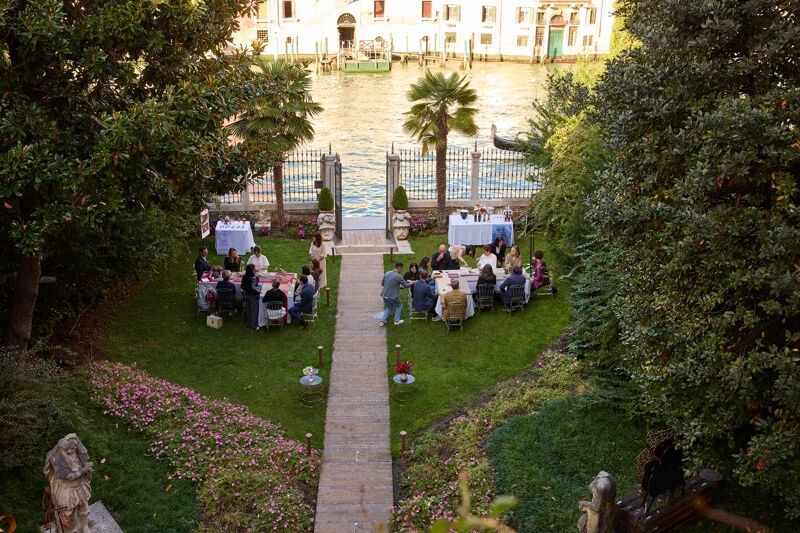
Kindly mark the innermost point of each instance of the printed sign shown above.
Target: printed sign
(205, 225)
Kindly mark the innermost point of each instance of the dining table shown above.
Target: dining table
(468, 283)
(233, 234)
(468, 231)
(207, 290)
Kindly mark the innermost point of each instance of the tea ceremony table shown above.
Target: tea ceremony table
(460, 231)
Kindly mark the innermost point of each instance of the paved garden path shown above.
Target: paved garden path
(355, 489)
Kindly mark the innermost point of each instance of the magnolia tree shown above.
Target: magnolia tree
(109, 108)
(700, 207)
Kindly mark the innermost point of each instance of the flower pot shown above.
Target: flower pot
(464, 214)
(326, 221)
(403, 377)
(401, 221)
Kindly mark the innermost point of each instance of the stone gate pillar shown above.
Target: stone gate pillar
(475, 172)
(328, 172)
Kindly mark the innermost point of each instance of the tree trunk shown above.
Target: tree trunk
(277, 179)
(23, 302)
(441, 185)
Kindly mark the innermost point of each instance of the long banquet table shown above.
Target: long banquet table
(468, 282)
(235, 234)
(461, 231)
(288, 280)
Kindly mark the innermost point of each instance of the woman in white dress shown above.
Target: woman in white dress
(319, 252)
(488, 258)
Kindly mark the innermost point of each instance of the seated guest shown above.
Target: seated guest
(421, 297)
(540, 275)
(412, 274)
(487, 277)
(499, 249)
(306, 303)
(424, 264)
(306, 271)
(514, 280)
(513, 258)
(233, 262)
(452, 297)
(251, 295)
(258, 260)
(316, 272)
(442, 260)
(201, 264)
(488, 258)
(226, 282)
(275, 294)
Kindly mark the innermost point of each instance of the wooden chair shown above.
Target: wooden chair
(275, 314)
(486, 297)
(226, 301)
(516, 298)
(314, 314)
(456, 312)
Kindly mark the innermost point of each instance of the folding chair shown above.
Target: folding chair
(516, 298)
(226, 301)
(275, 314)
(314, 314)
(486, 297)
(455, 316)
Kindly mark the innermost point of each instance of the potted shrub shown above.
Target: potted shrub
(326, 219)
(401, 219)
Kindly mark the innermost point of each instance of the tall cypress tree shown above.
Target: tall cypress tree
(701, 203)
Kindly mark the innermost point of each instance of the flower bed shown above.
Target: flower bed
(429, 479)
(251, 477)
(422, 224)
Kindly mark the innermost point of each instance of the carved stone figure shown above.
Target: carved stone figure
(69, 471)
(326, 221)
(401, 220)
(600, 512)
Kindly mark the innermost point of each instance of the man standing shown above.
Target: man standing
(201, 264)
(306, 303)
(442, 260)
(392, 283)
(451, 297)
(258, 260)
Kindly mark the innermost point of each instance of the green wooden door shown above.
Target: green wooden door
(555, 43)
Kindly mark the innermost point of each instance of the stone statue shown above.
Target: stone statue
(69, 471)
(600, 512)
(401, 220)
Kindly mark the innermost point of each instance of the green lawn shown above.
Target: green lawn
(453, 368)
(128, 480)
(548, 458)
(159, 329)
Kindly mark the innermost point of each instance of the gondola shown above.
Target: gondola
(503, 142)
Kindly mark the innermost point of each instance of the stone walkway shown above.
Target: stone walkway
(355, 489)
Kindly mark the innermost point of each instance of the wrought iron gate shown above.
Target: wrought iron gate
(388, 199)
(338, 195)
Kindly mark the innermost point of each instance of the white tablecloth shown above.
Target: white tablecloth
(288, 281)
(236, 234)
(461, 231)
(468, 282)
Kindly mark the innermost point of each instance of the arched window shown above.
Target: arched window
(558, 20)
(346, 20)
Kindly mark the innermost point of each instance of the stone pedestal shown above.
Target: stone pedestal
(100, 521)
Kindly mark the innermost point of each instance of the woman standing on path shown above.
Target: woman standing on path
(319, 252)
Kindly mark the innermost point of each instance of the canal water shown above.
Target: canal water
(363, 116)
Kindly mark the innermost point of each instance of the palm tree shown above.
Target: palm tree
(279, 121)
(443, 104)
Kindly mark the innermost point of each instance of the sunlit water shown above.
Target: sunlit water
(363, 116)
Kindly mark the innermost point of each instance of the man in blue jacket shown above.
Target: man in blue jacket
(516, 279)
(201, 264)
(421, 297)
(306, 302)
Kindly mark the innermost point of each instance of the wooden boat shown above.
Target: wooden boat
(504, 142)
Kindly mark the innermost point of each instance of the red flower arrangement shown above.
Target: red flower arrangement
(403, 367)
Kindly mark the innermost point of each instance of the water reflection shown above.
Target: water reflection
(364, 114)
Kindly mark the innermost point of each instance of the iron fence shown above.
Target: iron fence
(300, 170)
(501, 174)
(505, 174)
(418, 174)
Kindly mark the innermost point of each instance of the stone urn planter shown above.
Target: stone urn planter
(401, 221)
(326, 221)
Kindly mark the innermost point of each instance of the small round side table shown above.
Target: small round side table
(402, 391)
(311, 390)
